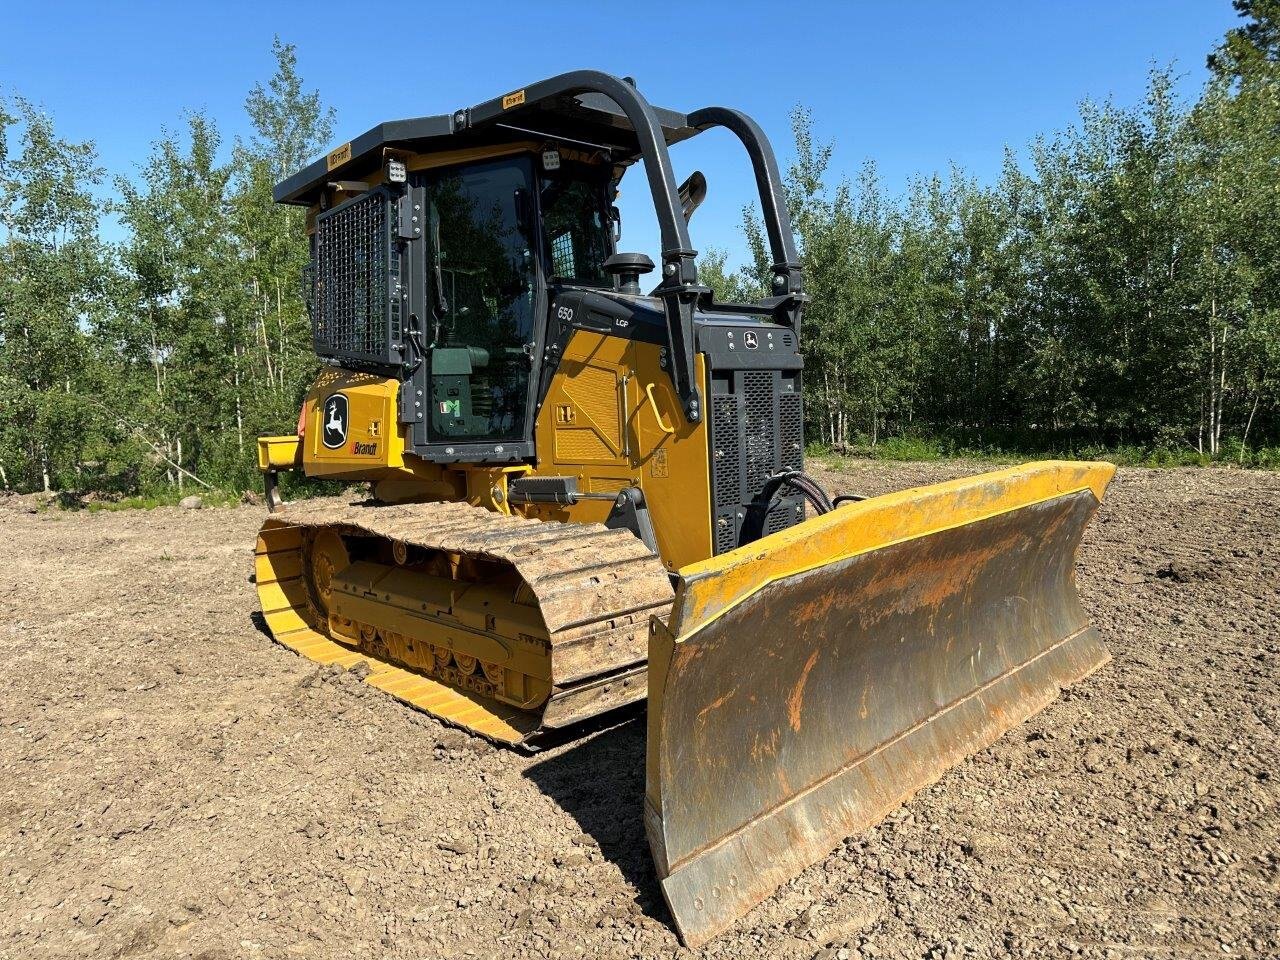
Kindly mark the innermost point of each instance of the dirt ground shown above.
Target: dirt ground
(174, 784)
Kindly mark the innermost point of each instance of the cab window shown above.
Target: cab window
(484, 279)
(575, 217)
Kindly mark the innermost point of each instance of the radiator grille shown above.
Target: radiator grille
(726, 532)
(791, 429)
(756, 430)
(354, 282)
(780, 518)
(725, 451)
(760, 435)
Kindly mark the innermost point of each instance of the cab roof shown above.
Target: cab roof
(586, 119)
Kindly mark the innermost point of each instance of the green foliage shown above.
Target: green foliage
(291, 127)
(1120, 292)
(736, 287)
(1020, 448)
(1115, 293)
(152, 366)
(53, 278)
(1251, 50)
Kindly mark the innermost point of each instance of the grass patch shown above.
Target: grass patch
(292, 487)
(926, 448)
(158, 498)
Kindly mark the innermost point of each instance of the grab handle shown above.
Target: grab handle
(625, 422)
(653, 405)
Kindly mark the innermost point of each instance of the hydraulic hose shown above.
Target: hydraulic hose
(802, 483)
(806, 485)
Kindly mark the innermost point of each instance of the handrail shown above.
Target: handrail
(657, 415)
(788, 284)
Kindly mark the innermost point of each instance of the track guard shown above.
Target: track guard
(812, 681)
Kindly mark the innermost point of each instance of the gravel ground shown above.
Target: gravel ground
(174, 784)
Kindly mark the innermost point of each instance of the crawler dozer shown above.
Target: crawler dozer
(584, 494)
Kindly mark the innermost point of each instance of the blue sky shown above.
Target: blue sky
(914, 87)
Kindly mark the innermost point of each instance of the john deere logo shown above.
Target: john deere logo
(751, 341)
(334, 434)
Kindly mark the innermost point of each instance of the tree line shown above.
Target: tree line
(1119, 287)
(155, 361)
(1117, 284)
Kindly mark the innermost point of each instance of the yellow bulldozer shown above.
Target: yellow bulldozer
(584, 494)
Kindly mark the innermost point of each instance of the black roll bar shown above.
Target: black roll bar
(679, 289)
(788, 284)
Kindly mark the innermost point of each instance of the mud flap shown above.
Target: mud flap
(811, 682)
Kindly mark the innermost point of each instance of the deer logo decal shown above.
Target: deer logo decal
(334, 421)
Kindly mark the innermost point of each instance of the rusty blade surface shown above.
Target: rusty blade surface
(792, 710)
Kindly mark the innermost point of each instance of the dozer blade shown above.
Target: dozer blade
(810, 682)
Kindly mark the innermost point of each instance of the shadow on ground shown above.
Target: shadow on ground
(600, 783)
(260, 623)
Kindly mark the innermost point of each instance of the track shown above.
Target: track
(591, 591)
